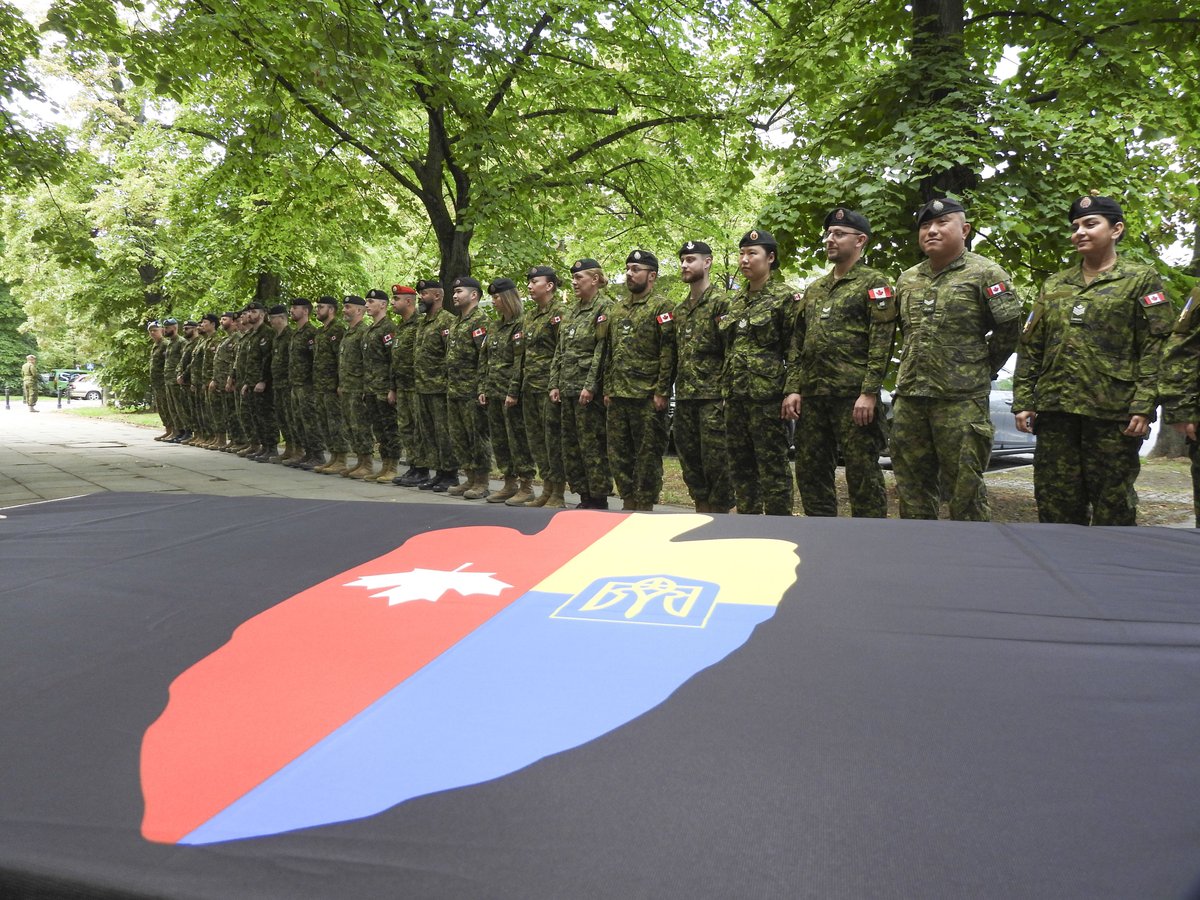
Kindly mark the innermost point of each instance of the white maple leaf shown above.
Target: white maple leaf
(430, 584)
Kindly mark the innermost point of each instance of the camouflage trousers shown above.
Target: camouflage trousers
(406, 426)
(510, 443)
(331, 422)
(469, 433)
(29, 393)
(200, 421)
(281, 400)
(161, 405)
(219, 406)
(699, 431)
(757, 439)
(260, 408)
(543, 427)
(245, 421)
(306, 419)
(941, 448)
(434, 422)
(179, 413)
(382, 418)
(358, 425)
(637, 437)
(826, 426)
(1084, 470)
(585, 447)
(1194, 453)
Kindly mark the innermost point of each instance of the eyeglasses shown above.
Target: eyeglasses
(838, 235)
(633, 270)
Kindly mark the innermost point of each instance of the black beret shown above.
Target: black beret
(170, 320)
(642, 258)
(326, 300)
(466, 281)
(277, 310)
(153, 323)
(1096, 206)
(543, 272)
(500, 285)
(189, 324)
(584, 264)
(427, 283)
(698, 247)
(764, 239)
(354, 300)
(376, 294)
(302, 301)
(212, 317)
(229, 315)
(848, 218)
(939, 207)
(253, 304)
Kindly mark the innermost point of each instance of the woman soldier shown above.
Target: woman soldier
(543, 419)
(1087, 370)
(500, 390)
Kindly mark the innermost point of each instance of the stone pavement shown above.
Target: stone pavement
(51, 454)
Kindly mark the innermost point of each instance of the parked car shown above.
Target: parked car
(59, 379)
(86, 387)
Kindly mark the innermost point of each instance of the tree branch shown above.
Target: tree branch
(518, 61)
(196, 132)
(633, 129)
(564, 110)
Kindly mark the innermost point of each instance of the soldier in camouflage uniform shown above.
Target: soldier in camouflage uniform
(468, 419)
(281, 390)
(1179, 385)
(220, 394)
(542, 418)
(1087, 374)
(500, 393)
(242, 442)
(575, 384)
(377, 384)
(942, 430)
(699, 422)
(350, 387)
(429, 366)
(638, 373)
(757, 336)
(256, 387)
(403, 393)
(158, 385)
(171, 359)
(183, 378)
(202, 368)
(841, 345)
(305, 417)
(331, 423)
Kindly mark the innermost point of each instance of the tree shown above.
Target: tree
(26, 153)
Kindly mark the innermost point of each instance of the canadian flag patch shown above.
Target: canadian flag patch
(665, 318)
(1154, 299)
(998, 288)
(478, 332)
(445, 332)
(601, 318)
(387, 340)
(880, 293)
(517, 335)
(555, 320)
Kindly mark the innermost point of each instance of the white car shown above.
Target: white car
(86, 387)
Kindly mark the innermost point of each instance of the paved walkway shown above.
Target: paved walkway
(51, 454)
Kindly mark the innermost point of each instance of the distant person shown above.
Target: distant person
(1179, 385)
(29, 382)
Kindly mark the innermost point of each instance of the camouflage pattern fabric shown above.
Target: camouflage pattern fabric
(941, 448)
(404, 384)
(543, 428)
(280, 387)
(542, 418)
(699, 431)
(330, 423)
(350, 386)
(636, 437)
(304, 412)
(381, 418)
(585, 447)
(1084, 470)
(429, 353)
(826, 426)
(158, 384)
(579, 355)
(469, 438)
(377, 346)
(1179, 381)
(757, 442)
(434, 422)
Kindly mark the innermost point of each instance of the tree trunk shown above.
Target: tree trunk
(1169, 444)
(455, 248)
(1193, 268)
(266, 289)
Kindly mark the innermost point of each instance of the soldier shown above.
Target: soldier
(331, 423)
(242, 440)
(158, 386)
(202, 368)
(542, 418)
(220, 393)
(281, 390)
(404, 391)
(1179, 385)
(183, 380)
(500, 393)
(960, 318)
(575, 384)
(699, 421)
(757, 336)
(377, 384)
(468, 419)
(841, 346)
(638, 373)
(256, 385)
(173, 356)
(350, 387)
(305, 418)
(29, 382)
(429, 366)
(1087, 373)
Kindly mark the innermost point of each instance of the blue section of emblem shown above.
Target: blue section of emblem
(643, 599)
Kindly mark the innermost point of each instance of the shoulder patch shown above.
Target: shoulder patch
(994, 290)
(445, 332)
(387, 340)
(601, 318)
(555, 320)
(517, 335)
(665, 318)
(1158, 297)
(880, 293)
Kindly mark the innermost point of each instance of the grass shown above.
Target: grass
(143, 419)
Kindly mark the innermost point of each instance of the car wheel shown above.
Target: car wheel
(92, 395)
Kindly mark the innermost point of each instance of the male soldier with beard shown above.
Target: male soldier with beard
(468, 419)
(403, 393)
(183, 378)
(331, 422)
(305, 425)
(202, 369)
(241, 425)
(699, 424)
(158, 384)
(281, 390)
(220, 398)
(172, 352)
(638, 374)
(430, 377)
(543, 419)
(350, 385)
(255, 375)
(377, 383)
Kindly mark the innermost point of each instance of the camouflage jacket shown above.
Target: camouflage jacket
(464, 356)
(254, 359)
(350, 358)
(185, 360)
(538, 345)
(377, 356)
(403, 353)
(757, 333)
(325, 356)
(223, 358)
(641, 347)
(209, 362)
(281, 346)
(579, 357)
(158, 357)
(301, 354)
(429, 355)
(501, 370)
(172, 354)
(843, 335)
(700, 348)
(946, 318)
(1179, 375)
(1093, 349)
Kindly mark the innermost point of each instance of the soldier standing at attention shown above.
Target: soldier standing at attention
(377, 383)
(403, 393)
(29, 382)
(1087, 373)
(222, 368)
(183, 378)
(468, 419)
(325, 386)
(960, 318)
(202, 369)
(500, 393)
(306, 427)
(350, 384)
(638, 374)
(841, 346)
(699, 424)
(158, 386)
(171, 361)
(1179, 385)
(429, 367)
(256, 387)
(575, 384)
(281, 390)
(243, 443)
(542, 418)
(757, 334)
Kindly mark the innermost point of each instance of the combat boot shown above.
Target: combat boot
(265, 455)
(291, 456)
(523, 495)
(311, 462)
(364, 469)
(446, 482)
(508, 491)
(249, 450)
(407, 479)
(457, 490)
(431, 481)
(276, 458)
(337, 465)
(320, 470)
(481, 486)
(166, 435)
(387, 473)
(555, 500)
